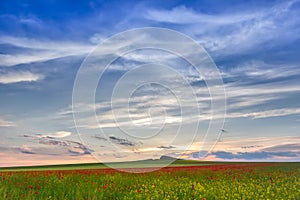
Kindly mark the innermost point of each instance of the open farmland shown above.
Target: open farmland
(214, 181)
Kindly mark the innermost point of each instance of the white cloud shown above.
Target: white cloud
(237, 31)
(241, 103)
(54, 144)
(267, 113)
(5, 123)
(260, 70)
(16, 77)
(39, 50)
(183, 15)
(97, 38)
(59, 134)
(8, 60)
(64, 46)
(32, 21)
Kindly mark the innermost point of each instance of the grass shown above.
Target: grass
(208, 180)
(133, 164)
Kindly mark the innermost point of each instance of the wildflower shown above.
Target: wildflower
(193, 187)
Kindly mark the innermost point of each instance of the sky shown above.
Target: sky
(45, 45)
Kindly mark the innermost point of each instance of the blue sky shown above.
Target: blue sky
(255, 46)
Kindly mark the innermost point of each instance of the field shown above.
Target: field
(179, 181)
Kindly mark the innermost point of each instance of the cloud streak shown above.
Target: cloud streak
(267, 113)
(116, 140)
(184, 15)
(17, 77)
(235, 31)
(65, 147)
(58, 134)
(5, 123)
(26, 50)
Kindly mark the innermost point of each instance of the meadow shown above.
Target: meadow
(213, 181)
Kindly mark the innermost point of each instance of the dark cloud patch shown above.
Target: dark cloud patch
(25, 151)
(71, 147)
(75, 148)
(166, 147)
(116, 140)
(100, 137)
(251, 146)
(29, 136)
(121, 141)
(53, 142)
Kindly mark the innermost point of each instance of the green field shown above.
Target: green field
(182, 180)
(133, 164)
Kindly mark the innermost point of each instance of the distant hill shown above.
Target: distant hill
(168, 158)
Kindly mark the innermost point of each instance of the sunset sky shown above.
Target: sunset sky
(255, 46)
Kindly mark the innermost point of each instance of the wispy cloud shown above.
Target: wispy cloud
(22, 76)
(292, 146)
(117, 140)
(267, 113)
(66, 147)
(251, 146)
(33, 50)
(257, 70)
(234, 31)
(5, 123)
(29, 20)
(184, 15)
(58, 134)
(74, 148)
(121, 141)
(243, 42)
(242, 102)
